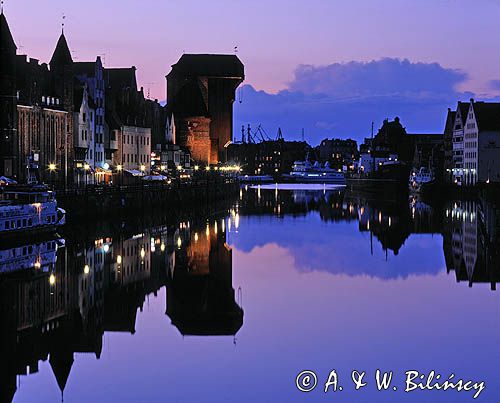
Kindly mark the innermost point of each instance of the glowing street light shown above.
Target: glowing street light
(119, 168)
(143, 168)
(52, 279)
(52, 167)
(86, 167)
(86, 269)
(207, 168)
(196, 167)
(179, 167)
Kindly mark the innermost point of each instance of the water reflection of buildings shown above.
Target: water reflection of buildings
(200, 295)
(471, 241)
(470, 229)
(56, 301)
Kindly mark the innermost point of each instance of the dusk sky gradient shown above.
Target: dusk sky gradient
(273, 37)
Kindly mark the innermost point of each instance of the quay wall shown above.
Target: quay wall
(118, 201)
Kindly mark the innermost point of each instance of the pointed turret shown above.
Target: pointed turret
(7, 43)
(62, 54)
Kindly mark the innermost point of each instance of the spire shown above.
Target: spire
(62, 55)
(6, 41)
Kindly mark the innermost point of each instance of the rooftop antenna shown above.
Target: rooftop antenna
(242, 133)
(149, 89)
(236, 49)
(63, 22)
(1, 7)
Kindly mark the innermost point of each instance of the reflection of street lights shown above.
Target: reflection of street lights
(119, 169)
(86, 167)
(52, 169)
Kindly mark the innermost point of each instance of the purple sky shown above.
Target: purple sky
(274, 38)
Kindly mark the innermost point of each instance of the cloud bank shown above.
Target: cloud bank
(342, 99)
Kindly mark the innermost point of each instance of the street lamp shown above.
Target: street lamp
(196, 167)
(143, 168)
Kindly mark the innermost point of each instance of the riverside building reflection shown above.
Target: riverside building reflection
(58, 298)
(470, 229)
(471, 241)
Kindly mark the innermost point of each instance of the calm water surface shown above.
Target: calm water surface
(231, 306)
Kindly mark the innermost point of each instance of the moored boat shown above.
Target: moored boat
(420, 180)
(29, 209)
(306, 172)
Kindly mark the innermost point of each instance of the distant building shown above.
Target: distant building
(339, 153)
(200, 95)
(267, 157)
(482, 143)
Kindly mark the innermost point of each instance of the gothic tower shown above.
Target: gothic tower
(62, 71)
(8, 101)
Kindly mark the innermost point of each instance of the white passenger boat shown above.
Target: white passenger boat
(420, 179)
(28, 209)
(305, 172)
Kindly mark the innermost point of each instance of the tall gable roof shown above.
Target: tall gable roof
(463, 110)
(487, 115)
(6, 40)
(210, 65)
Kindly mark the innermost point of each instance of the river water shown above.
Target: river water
(230, 305)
